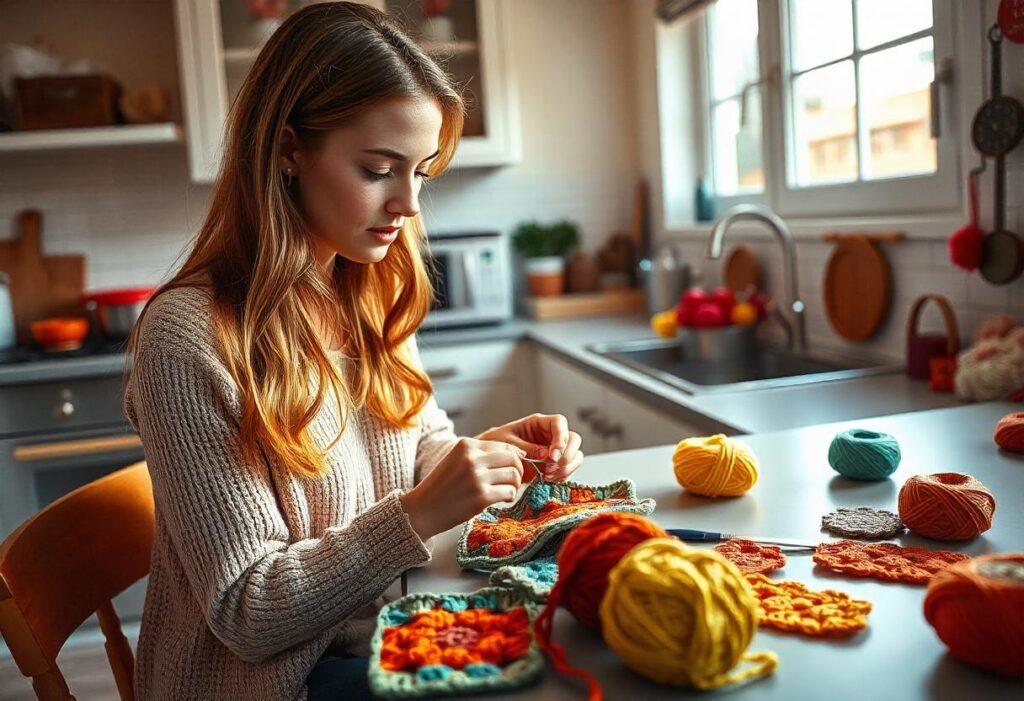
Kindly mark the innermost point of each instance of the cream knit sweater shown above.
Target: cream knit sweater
(255, 570)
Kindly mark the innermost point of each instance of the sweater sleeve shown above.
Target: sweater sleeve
(261, 591)
(437, 432)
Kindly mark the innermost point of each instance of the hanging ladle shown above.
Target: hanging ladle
(998, 127)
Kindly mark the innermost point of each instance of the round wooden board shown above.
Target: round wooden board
(857, 288)
(742, 270)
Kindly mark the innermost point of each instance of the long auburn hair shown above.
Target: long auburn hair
(323, 66)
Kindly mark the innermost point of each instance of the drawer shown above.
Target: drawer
(49, 406)
(477, 407)
(471, 362)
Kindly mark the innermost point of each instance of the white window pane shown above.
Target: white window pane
(879, 21)
(732, 44)
(737, 147)
(820, 31)
(825, 125)
(896, 109)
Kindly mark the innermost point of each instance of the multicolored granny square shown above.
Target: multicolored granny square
(534, 525)
(445, 644)
(535, 578)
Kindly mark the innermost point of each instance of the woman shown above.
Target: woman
(299, 461)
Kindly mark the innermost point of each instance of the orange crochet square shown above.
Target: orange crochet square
(885, 561)
(750, 557)
(791, 606)
(507, 535)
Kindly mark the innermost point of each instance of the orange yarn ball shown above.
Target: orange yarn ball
(586, 557)
(977, 609)
(1009, 433)
(946, 506)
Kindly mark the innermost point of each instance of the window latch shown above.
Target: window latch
(943, 76)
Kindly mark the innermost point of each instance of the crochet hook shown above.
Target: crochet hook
(536, 466)
(689, 534)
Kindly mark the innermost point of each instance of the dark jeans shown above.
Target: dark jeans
(339, 678)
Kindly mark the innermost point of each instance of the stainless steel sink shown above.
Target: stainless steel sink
(762, 367)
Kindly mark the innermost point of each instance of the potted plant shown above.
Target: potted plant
(543, 246)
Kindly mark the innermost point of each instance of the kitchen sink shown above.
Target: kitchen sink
(760, 366)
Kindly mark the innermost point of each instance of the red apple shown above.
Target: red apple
(688, 303)
(760, 302)
(724, 298)
(682, 314)
(709, 315)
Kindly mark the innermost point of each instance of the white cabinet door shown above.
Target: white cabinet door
(562, 389)
(218, 42)
(636, 425)
(478, 406)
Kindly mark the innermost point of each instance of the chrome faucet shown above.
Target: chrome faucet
(792, 316)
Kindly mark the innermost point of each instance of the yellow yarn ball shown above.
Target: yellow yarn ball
(714, 466)
(682, 616)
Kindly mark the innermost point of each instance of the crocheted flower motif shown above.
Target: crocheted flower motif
(862, 522)
(535, 578)
(885, 561)
(791, 606)
(430, 644)
(750, 557)
(516, 534)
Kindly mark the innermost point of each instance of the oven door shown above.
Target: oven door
(37, 470)
(451, 273)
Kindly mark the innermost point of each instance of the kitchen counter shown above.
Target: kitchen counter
(731, 413)
(898, 656)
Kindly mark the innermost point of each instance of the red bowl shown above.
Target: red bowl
(60, 333)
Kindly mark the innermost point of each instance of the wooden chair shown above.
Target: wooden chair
(67, 562)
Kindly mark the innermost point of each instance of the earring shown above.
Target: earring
(288, 178)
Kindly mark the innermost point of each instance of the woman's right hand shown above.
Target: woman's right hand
(472, 476)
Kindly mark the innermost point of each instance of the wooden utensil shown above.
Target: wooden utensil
(742, 271)
(922, 348)
(857, 286)
(41, 286)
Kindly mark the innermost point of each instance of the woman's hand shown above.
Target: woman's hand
(543, 437)
(473, 475)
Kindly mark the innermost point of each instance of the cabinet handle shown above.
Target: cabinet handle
(85, 446)
(442, 373)
(454, 413)
(587, 413)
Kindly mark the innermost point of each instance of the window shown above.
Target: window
(841, 120)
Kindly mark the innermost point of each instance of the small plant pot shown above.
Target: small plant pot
(545, 277)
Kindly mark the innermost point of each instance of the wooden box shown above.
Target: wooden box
(65, 102)
(569, 306)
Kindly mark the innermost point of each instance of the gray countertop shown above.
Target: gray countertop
(731, 413)
(898, 656)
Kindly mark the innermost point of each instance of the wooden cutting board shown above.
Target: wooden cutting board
(857, 287)
(741, 271)
(41, 286)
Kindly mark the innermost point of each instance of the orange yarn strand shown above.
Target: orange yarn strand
(586, 557)
(1009, 433)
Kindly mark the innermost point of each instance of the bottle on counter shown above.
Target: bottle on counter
(703, 202)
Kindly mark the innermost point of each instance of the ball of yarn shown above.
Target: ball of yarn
(682, 616)
(585, 559)
(864, 455)
(975, 607)
(714, 466)
(1009, 433)
(946, 506)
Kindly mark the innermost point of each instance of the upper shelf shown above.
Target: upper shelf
(89, 137)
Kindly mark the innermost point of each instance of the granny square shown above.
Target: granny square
(885, 561)
(535, 578)
(750, 557)
(447, 644)
(535, 524)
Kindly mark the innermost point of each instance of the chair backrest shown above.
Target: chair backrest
(69, 561)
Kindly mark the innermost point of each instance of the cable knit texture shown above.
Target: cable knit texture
(256, 570)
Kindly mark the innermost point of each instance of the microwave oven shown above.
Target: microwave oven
(472, 278)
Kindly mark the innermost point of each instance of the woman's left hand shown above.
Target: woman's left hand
(543, 437)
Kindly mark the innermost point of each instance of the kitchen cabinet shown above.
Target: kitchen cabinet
(605, 418)
(480, 385)
(218, 41)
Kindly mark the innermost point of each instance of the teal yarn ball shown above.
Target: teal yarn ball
(861, 454)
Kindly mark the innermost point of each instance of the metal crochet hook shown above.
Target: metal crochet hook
(536, 463)
(689, 534)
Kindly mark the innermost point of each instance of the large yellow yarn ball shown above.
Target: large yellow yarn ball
(714, 466)
(682, 616)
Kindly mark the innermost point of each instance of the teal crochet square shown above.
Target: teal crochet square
(534, 578)
(448, 644)
(535, 525)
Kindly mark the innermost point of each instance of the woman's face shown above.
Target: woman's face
(363, 181)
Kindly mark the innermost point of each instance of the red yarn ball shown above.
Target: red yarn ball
(965, 247)
(1009, 433)
(946, 506)
(975, 607)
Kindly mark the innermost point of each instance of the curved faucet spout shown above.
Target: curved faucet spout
(793, 317)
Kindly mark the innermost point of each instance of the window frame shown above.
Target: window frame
(907, 195)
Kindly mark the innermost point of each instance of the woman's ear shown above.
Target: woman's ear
(290, 157)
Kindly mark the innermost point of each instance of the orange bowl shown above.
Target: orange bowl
(60, 333)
